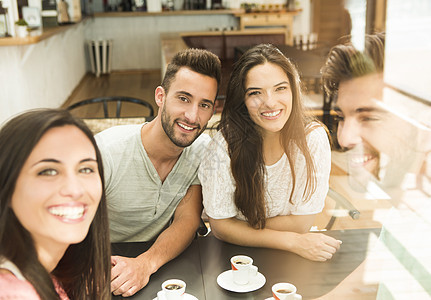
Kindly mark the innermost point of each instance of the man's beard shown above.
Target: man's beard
(168, 127)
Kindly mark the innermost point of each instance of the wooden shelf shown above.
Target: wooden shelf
(37, 37)
(168, 13)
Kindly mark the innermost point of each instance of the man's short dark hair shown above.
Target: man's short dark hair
(346, 62)
(198, 60)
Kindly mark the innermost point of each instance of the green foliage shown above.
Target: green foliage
(21, 22)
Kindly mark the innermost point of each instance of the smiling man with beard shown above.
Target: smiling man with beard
(377, 141)
(365, 127)
(151, 170)
(387, 148)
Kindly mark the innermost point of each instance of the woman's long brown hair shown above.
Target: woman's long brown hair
(245, 142)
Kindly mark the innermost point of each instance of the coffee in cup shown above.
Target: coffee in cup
(285, 291)
(173, 289)
(173, 286)
(243, 269)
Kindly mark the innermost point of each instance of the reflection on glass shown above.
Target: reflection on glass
(380, 88)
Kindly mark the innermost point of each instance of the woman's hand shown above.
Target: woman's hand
(315, 246)
(312, 246)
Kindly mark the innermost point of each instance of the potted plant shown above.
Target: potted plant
(21, 28)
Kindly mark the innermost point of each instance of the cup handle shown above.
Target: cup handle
(253, 270)
(298, 297)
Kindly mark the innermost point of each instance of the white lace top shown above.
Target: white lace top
(218, 185)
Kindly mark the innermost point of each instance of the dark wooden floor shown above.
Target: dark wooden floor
(136, 84)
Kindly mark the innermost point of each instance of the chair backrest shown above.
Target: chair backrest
(119, 100)
(100, 124)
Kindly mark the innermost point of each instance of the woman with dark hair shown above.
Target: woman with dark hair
(267, 170)
(54, 238)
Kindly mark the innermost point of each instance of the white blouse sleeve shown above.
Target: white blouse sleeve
(320, 151)
(218, 185)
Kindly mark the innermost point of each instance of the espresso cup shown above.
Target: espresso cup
(242, 269)
(174, 289)
(285, 291)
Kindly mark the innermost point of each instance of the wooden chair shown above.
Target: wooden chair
(119, 101)
(97, 124)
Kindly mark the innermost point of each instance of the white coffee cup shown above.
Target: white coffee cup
(242, 269)
(174, 289)
(285, 291)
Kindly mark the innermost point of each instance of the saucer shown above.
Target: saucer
(225, 280)
(161, 296)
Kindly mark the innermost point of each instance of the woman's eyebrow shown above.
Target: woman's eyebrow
(252, 88)
(88, 160)
(51, 160)
(56, 161)
(256, 88)
(283, 82)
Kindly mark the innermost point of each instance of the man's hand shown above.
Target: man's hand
(129, 275)
(316, 246)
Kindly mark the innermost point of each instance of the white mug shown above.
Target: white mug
(285, 291)
(173, 289)
(242, 269)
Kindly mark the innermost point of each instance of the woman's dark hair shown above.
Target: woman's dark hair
(84, 270)
(245, 141)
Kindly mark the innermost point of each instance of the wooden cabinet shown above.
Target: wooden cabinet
(331, 20)
(269, 19)
(223, 43)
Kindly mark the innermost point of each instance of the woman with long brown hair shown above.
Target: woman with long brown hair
(266, 173)
(54, 237)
